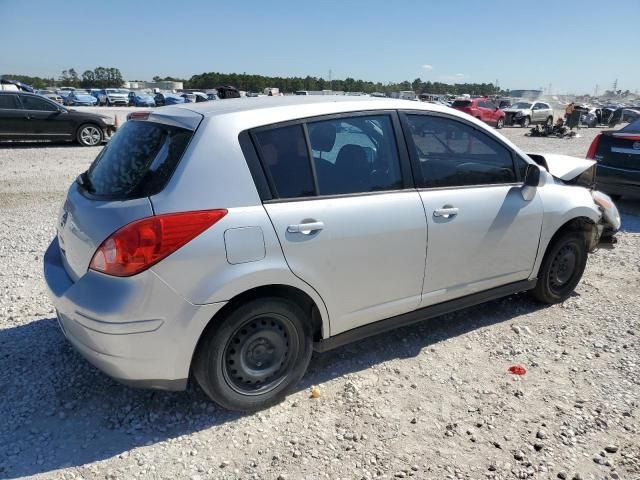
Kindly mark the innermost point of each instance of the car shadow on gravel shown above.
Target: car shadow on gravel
(58, 411)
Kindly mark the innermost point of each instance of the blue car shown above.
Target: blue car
(141, 99)
(168, 99)
(77, 98)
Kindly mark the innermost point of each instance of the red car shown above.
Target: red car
(482, 109)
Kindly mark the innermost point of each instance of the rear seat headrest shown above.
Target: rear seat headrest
(322, 136)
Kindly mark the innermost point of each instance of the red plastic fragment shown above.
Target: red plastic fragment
(517, 370)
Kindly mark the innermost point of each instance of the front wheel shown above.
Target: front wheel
(500, 123)
(89, 135)
(524, 123)
(254, 355)
(561, 269)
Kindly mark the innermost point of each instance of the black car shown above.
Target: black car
(618, 155)
(27, 116)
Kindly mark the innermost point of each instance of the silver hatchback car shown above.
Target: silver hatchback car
(226, 240)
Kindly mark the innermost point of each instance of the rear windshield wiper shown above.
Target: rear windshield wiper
(84, 181)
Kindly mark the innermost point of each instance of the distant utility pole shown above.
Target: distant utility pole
(615, 85)
(595, 93)
(549, 92)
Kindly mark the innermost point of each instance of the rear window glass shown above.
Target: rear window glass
(9, 102)
(633, 126)
(138, 161)
(461, 103)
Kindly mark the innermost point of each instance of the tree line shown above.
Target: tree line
(257, 83)
(102, 77)
(99, 77)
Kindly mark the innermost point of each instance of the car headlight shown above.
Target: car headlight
(609, 209)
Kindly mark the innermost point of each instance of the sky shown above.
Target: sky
(570, 45)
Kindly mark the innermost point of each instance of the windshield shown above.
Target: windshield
(522, 105)
(138, 161)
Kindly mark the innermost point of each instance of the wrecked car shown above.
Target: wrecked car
(527, 113)
(322, 221)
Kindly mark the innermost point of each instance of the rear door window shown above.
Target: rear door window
(9, 102)
(138, 161)
(38, 104)
(285, 156)
(355, 155)
(451, 153)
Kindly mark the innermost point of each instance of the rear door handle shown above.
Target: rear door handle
(305, 228)
(445, 212)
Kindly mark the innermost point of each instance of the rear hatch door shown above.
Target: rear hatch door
(137, 163)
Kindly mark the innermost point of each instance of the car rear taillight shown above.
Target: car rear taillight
(591, 154)
(139, 115)
(143, 243)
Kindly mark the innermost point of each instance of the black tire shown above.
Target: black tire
(561, 269)
(228, 363)
(500, 123)
(524, 123)
(90, 135)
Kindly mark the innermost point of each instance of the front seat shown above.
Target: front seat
(353, 170)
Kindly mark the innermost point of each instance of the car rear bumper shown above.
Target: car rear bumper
(136, 329)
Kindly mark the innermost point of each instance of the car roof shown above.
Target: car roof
(310, 105)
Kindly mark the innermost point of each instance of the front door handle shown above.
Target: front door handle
(445, 212)
(305, 228)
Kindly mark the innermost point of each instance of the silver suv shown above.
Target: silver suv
(226, 240)
(525, 113)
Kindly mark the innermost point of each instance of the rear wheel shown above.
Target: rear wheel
(255, 355)
(561, 269)
(89, 135)
(500, 123)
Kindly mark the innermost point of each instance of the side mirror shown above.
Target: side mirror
(532, 176)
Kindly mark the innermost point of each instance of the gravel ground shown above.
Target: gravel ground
(433, 401)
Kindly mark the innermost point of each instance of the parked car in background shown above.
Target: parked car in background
(162, 99)
(320, 222)
(617, 153)
(13, 85)
(141, 99)
(527, 113)
(80, 98)
(116, 96)
(64, 94)
(201, 97)
(482, 109)
(27, 116)
(188, 97)
(51, 95)
(213, 96)
(503, 103)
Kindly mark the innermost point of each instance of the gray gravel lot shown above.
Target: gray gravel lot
(433, 401)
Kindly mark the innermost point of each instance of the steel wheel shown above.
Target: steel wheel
(258, 354)
(563, 268)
